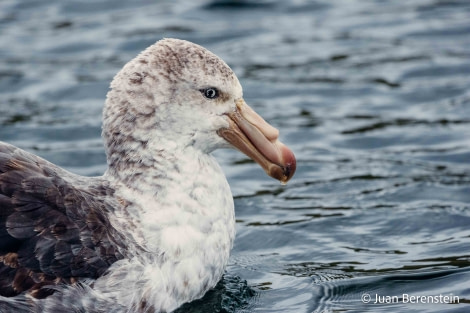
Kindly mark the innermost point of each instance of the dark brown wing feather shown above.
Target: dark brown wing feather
(51, 231)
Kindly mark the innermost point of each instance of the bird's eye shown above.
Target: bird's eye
(210, 93)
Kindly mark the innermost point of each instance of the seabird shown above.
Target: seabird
(156, 230)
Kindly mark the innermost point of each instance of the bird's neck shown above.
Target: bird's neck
(141, 171)
(143, 163)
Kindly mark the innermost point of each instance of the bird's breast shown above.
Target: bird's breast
(185, 230)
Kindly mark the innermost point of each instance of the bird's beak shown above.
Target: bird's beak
(252, 135)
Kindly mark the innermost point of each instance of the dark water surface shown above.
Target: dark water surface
(373, 97)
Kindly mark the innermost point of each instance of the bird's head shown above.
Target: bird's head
(177, 94)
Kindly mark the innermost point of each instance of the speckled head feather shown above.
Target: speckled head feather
(153, 98)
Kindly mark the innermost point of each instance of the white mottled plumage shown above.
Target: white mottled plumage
(190, 220)
(155, 231)
(182, 207)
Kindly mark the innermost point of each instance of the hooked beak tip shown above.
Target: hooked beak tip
(287, 166)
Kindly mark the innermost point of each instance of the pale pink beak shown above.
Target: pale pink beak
(252, 135)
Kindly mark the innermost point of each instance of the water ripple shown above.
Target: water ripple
(372, 96)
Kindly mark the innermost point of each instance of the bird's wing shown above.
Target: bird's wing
(52, 231)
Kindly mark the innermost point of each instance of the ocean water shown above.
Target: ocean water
(372, 96)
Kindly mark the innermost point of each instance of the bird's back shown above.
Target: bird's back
(54, 227)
